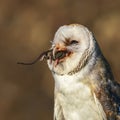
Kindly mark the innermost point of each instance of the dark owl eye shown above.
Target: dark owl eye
(72, 42)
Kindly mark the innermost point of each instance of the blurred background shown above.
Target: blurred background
(26, 29)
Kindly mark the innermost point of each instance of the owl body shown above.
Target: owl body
(75, 101)
(75, 96)
(84, 85)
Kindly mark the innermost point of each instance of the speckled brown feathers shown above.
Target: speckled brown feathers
(109, 90)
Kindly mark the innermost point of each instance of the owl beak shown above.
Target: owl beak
(54, 51)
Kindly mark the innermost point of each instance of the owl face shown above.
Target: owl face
(68, 48)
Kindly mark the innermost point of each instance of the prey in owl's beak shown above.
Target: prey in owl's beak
(52, 55)
(45, 55)
(59, 56)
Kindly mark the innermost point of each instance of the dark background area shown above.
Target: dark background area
(26, 29)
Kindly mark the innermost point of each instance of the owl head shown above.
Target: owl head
(72, 46)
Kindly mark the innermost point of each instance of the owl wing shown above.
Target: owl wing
(114, 93)
(109, 94)
(113, 88)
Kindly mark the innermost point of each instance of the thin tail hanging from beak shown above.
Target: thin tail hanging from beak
(42, 56)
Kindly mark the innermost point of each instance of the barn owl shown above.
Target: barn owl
(84, 85)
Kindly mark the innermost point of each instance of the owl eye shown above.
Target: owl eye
(72, 42)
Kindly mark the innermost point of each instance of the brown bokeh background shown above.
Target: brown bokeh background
(26, 29)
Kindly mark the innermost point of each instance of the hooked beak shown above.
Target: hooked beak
(54, 52)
